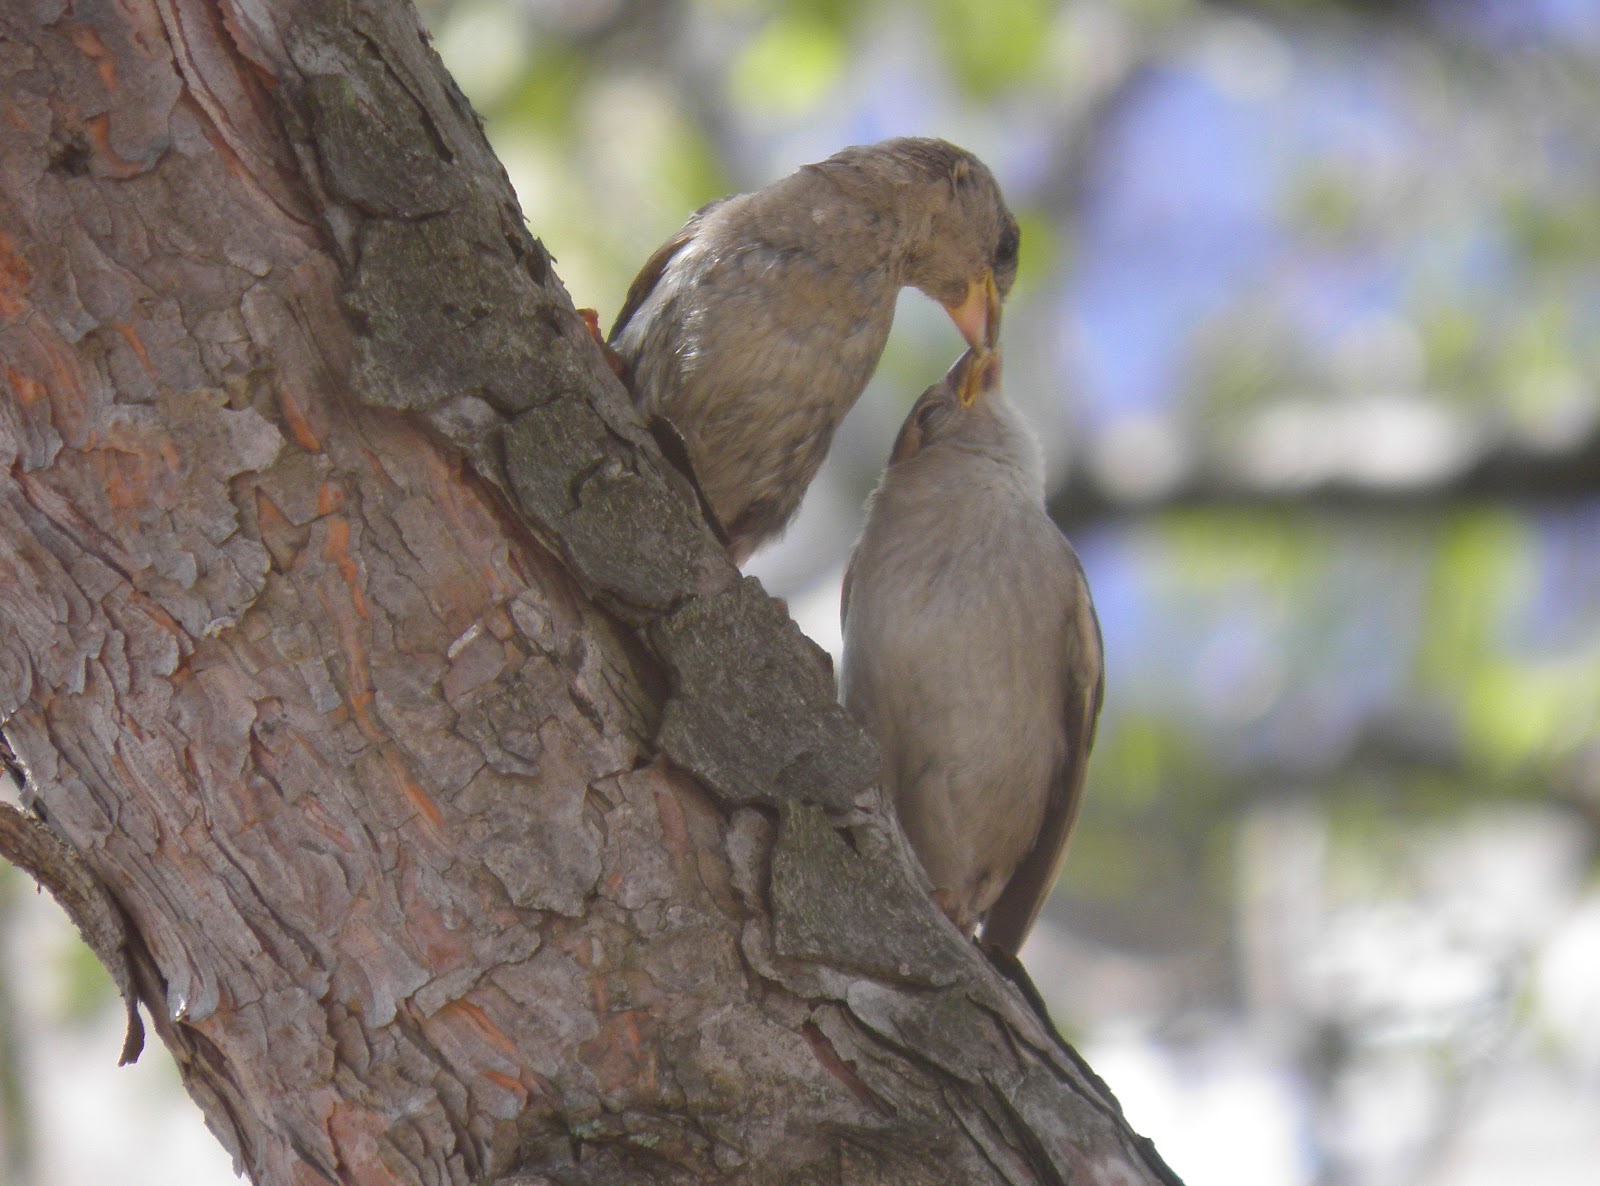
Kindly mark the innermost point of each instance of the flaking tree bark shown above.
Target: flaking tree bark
(393, 727)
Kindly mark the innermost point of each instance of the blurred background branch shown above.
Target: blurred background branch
(1509, 475)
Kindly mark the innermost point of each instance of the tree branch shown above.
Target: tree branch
(36, 850)
(476, 817)
(1509, 475)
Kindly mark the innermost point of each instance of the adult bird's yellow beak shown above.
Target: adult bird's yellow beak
(982, 374)
(978, 314)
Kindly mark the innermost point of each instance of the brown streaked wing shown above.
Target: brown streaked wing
(1013, 914)
(650, 275)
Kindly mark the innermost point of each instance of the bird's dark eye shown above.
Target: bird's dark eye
(917, 431)
(929, 416)
(1005, 251)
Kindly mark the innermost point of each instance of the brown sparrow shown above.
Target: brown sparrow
(754, 329)
(972, 654)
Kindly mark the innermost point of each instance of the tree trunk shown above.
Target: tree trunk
(402, 735)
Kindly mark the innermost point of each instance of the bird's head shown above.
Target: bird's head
(952, 407)
(963, 246)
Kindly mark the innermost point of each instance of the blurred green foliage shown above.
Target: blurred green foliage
(791, 63)
(992, 46)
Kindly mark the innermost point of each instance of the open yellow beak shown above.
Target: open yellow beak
(978, 314)
(982, 374)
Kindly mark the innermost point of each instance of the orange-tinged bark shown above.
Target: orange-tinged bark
(453, 787)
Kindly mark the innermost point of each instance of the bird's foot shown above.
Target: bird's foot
(957, 911)
(619, 368)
